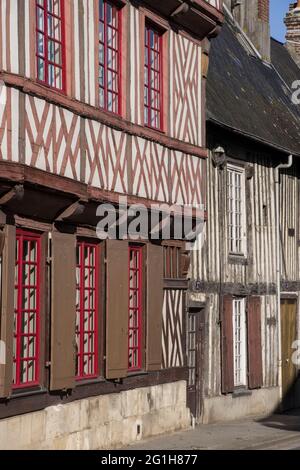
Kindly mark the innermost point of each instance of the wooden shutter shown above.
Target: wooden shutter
(254, 343)
(7, 309)
(117, 297)
(227, 346)
(185, 263)
(155, 294)
(2, 241)
(63, 315)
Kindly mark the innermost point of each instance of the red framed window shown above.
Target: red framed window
(50, 43)
(135, 308)
(153, 78)
(109, 56)
(87, 330)
(27, 310)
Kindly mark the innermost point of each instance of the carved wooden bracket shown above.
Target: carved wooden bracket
(17, 192)
(77, 208)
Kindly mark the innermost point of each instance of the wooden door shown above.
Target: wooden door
(288, 336)
(195, 329)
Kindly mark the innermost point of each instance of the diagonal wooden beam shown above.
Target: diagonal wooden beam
(77, 208)
(17, 192)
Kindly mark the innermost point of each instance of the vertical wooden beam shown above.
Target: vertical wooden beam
(7, 309)
(21, 46)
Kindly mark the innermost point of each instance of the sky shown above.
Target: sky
(279, 9)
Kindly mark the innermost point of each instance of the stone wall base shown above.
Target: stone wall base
(229, 407)
(104, 422)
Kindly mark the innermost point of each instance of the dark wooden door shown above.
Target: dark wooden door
(288, 336)
(195, 329)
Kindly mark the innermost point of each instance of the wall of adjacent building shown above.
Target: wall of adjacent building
(218, 274)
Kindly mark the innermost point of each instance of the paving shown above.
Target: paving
(279, 431)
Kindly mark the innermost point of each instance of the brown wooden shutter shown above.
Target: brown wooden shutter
(155, 267)
(63, 314)
(227, 346)
(254, 343)
(2, 241)
(7, 309)
(117, 298)
(185, 263)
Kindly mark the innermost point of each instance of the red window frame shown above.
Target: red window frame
(109, 64)
(47, 38)
(27, 309)
(87, 310)
(153, 78)
(135, 316)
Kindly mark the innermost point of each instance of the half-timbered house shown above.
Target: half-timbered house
(99, 99)
(247, 271)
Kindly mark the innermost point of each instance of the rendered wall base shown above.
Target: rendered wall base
(229, 408)
(104, 422)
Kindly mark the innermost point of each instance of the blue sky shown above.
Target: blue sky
(279, 9)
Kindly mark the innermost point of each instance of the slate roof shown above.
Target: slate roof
(251, 97)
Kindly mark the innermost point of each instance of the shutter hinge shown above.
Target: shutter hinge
(48, 364)
(49, 260)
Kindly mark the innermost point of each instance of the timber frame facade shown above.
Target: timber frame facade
(246, 273)
(82, 318)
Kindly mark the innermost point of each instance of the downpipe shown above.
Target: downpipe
(280, 167)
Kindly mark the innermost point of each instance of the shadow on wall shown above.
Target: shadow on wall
(287, 415)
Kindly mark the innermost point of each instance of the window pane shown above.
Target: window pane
(109, 61)
(50, 42)
(87, 310)
(27, 310)
(152, 77)
(135, 308)
(235, 207)
(239, 340)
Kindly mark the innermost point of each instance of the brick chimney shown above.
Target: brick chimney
(254, 18)
(292, 22)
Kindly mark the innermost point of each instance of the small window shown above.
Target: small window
(135, 308)
(26, 344)
(87, 305)
(236, 210)
(153, 78)
(50, 43)
(239, 343)
(109, 56)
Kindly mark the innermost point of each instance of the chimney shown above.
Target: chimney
(254, 17)
(292, 22)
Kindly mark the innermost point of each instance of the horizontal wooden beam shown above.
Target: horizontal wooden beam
(89, 112)
(26, 175)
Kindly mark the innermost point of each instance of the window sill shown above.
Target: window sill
(136, 373)
(241, 392)
(22, 393)
(82, 382)
(49, 87)
(155, 129)
(237, 259)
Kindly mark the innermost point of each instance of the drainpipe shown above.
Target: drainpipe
(282, 166)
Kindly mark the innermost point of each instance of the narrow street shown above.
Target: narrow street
(278, 432)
